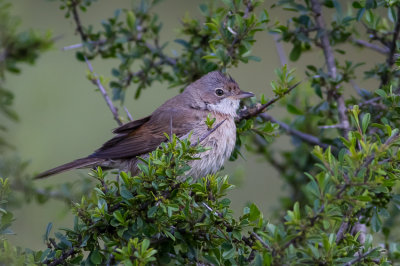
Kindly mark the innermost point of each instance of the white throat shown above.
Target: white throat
(225, 106)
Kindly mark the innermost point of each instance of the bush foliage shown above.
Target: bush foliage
(342, 168)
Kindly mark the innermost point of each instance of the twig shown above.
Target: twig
(249, 8)
(330, 62)
(362, 229)
(280, 50)
(391, 59)
(370, 101)
(371, 157)
(128, 114)
(360, 257)
(77, 20)
(248, 113)
(355, 86)
(211, 210)
(331, 126)
(302, 232)
(96, 81)
(72, 46)
(377, 48)
(80, 45)
(61, 259)
(261, 241)
(342, 229)
(231, 31)
(294, 132)
(209, 132)
(392, 49)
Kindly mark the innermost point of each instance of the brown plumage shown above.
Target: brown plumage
(214, 93)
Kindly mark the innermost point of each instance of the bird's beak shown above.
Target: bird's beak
(244, 94)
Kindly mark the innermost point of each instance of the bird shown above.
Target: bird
(184, 115)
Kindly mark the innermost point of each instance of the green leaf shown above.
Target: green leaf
(392, 14)
(254, 212)
(295, 53)
(381, 93)
(376, 222)
(117, 215)
(130, 20)
(145, 245)
(95, 257)
(125, 193)
(365, 122)
(293, 109)
(152, 211)
(48, 229)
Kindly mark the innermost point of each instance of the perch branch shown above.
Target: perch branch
(209, 132)
(252, 112)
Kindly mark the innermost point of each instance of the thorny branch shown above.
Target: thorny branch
(209, 132)
(77, 20)
(392, 50)
(103, 91)
(360, 257)
(245, 239)
(330, 62)
(252, 112)
(360, 227)
(261, 241)
(302, 232)
(62, 258)
(294, 132)
(380, 49)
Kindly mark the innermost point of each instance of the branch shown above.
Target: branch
(28, 189)
(391, 59)
(303, 229)
(97, 82)
(392, 49)
(252, 112)
(209, 132)
(77, 20)
(380, 49)
(371, 157)
(294, 132)
(330, 62)
(331, 126)
(280, 50)
(342, 229)
(360, 257)
(62, 258)
(261, 241)
(128, 114)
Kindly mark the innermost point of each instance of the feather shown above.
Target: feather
(83, 162)
(149, 135)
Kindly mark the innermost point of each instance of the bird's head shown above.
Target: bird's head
(218, 93)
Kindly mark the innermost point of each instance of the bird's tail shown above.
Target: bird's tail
(80, 163)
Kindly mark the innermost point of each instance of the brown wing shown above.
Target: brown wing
(142, 138)
(128, 127)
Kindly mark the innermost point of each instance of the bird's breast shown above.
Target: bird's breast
(221, 143)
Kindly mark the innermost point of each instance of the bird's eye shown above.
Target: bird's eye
(219, 92)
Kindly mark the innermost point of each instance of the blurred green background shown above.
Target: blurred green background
(63, 117)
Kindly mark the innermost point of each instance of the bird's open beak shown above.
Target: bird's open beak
(244, 94)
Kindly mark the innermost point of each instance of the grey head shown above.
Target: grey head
(216, 92)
